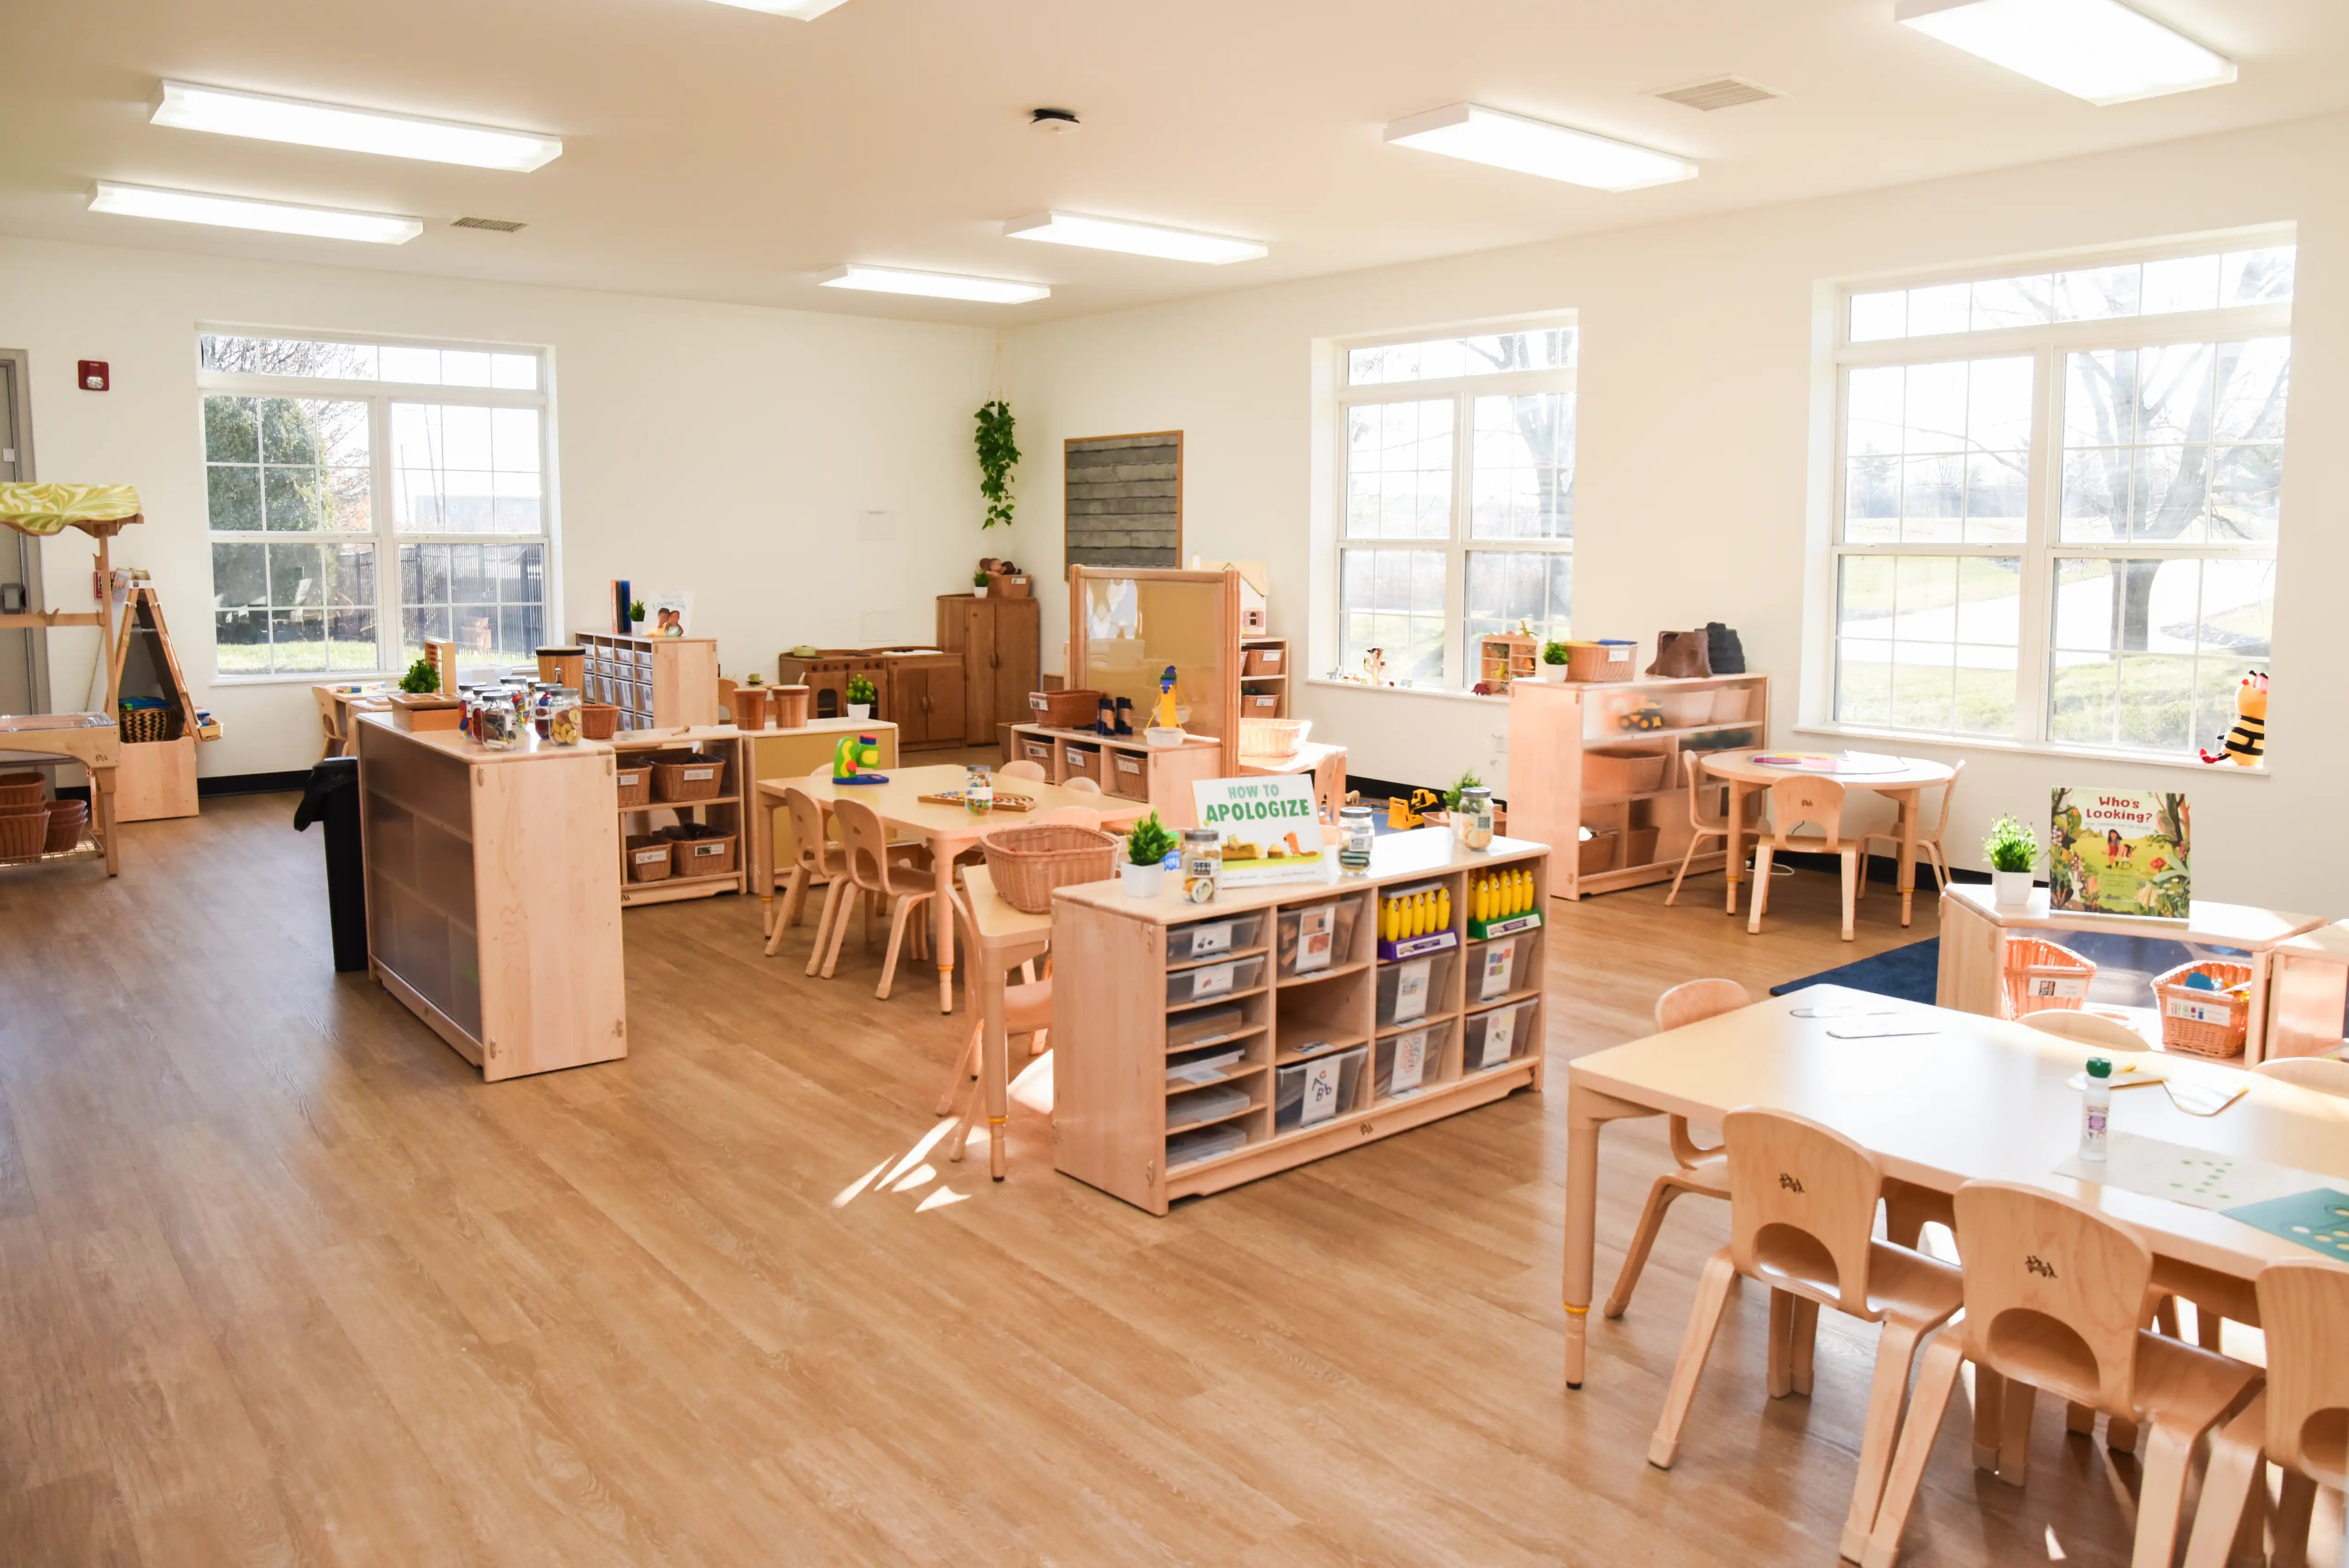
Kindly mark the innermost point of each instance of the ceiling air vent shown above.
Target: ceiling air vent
(495, 225)
(1722, 92)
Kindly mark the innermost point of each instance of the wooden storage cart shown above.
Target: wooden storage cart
(656, 682)
(492, 894)
(1264, 678)
(1126, 766)
(723, 811)
(999, 642)
(1124, 968)
(1577, 750)
(1503, 657)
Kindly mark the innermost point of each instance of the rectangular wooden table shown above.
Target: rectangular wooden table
(949, 830)
(1978, 1099)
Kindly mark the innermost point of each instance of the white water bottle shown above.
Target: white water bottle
(2096, 1110)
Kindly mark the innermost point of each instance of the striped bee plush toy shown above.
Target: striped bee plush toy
(2247, 741)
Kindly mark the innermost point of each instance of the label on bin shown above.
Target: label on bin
(1213, 982)
(1500, 1032)
(1500, 960)
(1320, 1092)
(1215, 938)
(2199, 1012)
(1410, 1062)
(2053, 985)
(1315, 930)
(1411, 990)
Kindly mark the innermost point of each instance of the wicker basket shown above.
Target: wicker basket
(1029, 862)
(2044, 977)
(598, 721)
(702, 856)
(636, 781)
(1279, 739)
(2203, 1023)
(687, 778)
(1074, 709)
(1598, 662)
(144, 726)
(23, 833)
(68, 820)
(648, 857)
(19, 789)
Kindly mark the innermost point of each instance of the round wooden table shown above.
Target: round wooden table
(1903, 784)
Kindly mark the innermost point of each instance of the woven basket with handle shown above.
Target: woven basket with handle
(143, 726)
(2043, 976)
(1029, 862)
(24, 830)
(2204, 1022)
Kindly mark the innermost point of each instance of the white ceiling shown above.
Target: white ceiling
(723, 154)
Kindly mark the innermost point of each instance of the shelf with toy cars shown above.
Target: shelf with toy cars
(1606, 756)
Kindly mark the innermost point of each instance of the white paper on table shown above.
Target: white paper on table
(1500, 959)
(1410, 1062)
(1500, 1032)
(1882, 1031)
(1411, 989)
(1320, 1092)
(2195, 1176)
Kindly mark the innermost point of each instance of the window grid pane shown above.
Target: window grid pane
(1444, 359)
(1398, 470)
(1506, 588)
(1392, 600)
(1928, 643)
(1522, 467)
(1938, 453)
(2218, 280)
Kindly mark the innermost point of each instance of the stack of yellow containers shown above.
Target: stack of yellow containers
(1414, 914)
(1500, 895)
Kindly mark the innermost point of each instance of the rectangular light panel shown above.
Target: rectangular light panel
(1134, 239)
(800, 10)
(2096, 49)
(933, 284)
(226, 112)
(241, 213)
(1485, 135)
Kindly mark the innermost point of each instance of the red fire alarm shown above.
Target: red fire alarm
(92, 375)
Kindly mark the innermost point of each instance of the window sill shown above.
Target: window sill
(2022, 748)
(305, 678)
(1443, 693)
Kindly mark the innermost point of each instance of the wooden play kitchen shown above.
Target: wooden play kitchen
(1606, 755)
(1990, 951)
(1199, 1046)
(493, 893)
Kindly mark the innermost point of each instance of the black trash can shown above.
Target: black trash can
(333, 798)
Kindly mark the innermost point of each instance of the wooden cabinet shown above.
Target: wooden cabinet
(923, 695)
(1001, 642)
(493, 894)
(656, 682)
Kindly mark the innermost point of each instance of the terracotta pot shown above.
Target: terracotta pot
(749, 707)
(791, 704)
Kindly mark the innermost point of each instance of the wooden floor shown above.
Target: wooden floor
(282, 1282)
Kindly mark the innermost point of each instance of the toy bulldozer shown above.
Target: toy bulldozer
(1403, 813)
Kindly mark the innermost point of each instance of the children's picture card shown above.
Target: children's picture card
(1271, 831)
(2317, 1220)
(2198, 1177)
(2120, 852)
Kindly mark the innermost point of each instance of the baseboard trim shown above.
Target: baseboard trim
(252, 783)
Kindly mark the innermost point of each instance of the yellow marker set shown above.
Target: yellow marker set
(1501, 896)
(1415, 914)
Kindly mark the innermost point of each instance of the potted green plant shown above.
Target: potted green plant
(1146, 849)
(637, 617)
(421, 678)
(1553, 662)
(978, 582)
(420, 704)
(2013, 851)
(861, 697)
(997, 453)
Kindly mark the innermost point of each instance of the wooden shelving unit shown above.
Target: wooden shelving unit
(1264, 677)
(1126, 766)
(1557, 790)
(1118, 1029)
(656, 682)
(724, 812)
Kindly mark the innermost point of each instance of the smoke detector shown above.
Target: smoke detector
(1052, 121)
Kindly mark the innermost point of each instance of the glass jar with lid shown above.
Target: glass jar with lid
(561, 713)
(1357, 832)
(1471, 825)
(1203, 863)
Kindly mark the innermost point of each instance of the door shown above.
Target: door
(21, 652)
(943, 704)
(1017, 670)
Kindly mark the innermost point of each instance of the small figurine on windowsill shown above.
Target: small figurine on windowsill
(1374, 666)
(1168, 730)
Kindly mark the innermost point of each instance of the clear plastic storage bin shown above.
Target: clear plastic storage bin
(1206, 1143)
(1204, 939)
(1498, 1037)
(1412, 1060)
(1340, 1069)
(1334, 940)
(1210, 981)
(1430, 982)
(1499, 967)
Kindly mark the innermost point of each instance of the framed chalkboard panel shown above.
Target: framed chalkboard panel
(1123, 498)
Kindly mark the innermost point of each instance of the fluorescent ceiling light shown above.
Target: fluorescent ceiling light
(2096, 49)
(1136, 239)
(933, 284)
(802, 10)
(227, 113)
(1485, 135)
(239, 212)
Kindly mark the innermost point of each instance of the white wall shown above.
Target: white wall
(718, 449)
(1697, 496)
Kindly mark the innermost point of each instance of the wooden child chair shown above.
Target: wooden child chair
(1082, 816)
(1794, 800)
(2087, 1028)
(1802, 1207)
(1081, 786)
(1026, 1009)
(1702, 823)
(2325, 1075)
(2054, 1293)
(1022, 769)
(1702, 1170)
(878, 875)
(819, 860)
(2300, 1420)
(1930, 841)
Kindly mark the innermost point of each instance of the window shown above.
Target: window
(325, 463)
(2058, 500)
(1458, 510)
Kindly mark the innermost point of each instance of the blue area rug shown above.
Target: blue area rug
(1909, 974)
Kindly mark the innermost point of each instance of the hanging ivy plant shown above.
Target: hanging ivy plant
(998, 453)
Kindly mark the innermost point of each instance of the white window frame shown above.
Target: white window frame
(1457, 544)
(386, 535)
(2040, 550)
